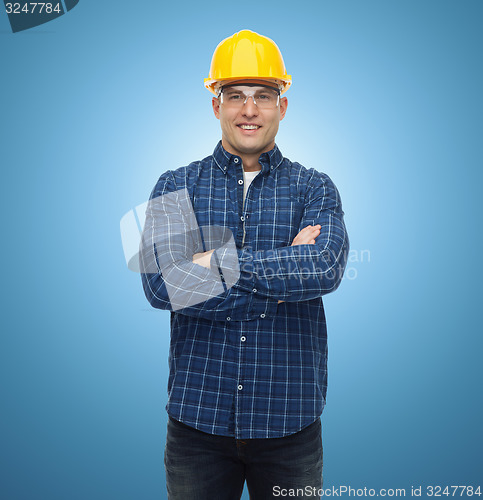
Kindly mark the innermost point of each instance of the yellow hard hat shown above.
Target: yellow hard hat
(247, 55)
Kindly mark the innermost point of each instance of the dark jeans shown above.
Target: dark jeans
(202, 466)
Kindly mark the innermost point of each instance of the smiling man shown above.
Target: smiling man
(248, 363)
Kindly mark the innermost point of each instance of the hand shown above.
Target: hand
(203, 259)
(307, 235)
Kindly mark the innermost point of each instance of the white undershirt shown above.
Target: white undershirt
(247, 180)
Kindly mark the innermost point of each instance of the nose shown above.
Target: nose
(249, 107)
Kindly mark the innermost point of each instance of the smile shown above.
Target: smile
(249, 127)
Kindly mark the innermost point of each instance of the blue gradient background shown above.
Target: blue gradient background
(386, 99)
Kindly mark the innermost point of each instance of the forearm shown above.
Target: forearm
(294, 273)
(197, 290)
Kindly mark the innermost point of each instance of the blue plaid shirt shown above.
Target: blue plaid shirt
(241, 363)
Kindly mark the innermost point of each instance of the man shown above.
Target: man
(241, 247)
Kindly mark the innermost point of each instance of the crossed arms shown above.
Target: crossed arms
(179, 274)
(306, 236)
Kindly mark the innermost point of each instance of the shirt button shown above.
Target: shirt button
(240, 181)
(235, 160)
(254, 290)
(228, 318)
(240, 387)
(243, 339)
(242, 218)
(262, 315)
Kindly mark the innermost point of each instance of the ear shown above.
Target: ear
(283, 107)
(215, 102)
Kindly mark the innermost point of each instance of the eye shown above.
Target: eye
(234, 97)
(264, 97)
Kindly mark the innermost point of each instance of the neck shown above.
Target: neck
(250, 163)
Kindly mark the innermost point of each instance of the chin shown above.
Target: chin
(254, 148)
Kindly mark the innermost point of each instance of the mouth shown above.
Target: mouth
(248, 127)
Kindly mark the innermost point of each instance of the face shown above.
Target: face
(248, 130)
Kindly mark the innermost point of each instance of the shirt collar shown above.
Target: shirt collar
(269, 160)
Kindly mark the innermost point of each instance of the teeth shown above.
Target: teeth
(249, 127)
